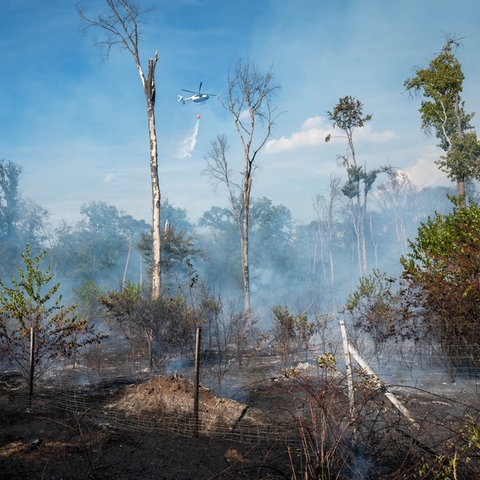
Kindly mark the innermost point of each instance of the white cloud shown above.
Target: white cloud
(367, 134)
(109, 178)
(315, 129)
(424, 172)
(312, 133)
(244, 115)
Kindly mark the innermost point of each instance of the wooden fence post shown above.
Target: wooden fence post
(197, 379)
(348, 364)
(32, 367)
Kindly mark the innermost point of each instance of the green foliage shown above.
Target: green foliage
(442, 110)
(32, 302)
(284, 323)
(9, 195)
(21, 221)
(291, 332)
(377, 308)
(98, 247)
(462, 160)
(460, 457)
(443, 283)
(161, 326)
(357, 176)
(441, 84)
(348, 114)
(88, 305)
(178, 251)
(271, 234)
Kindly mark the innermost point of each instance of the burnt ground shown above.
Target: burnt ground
(112, 433)
(38, 446)
(145, 430)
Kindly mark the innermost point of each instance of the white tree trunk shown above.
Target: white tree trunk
(149, 88)
(245, 261)
(156, 199)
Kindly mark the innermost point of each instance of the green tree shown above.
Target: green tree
(9, 180)
(99, 247)
(31, 302)
(88, 305)
(376, 308)
(221, 235)
(284, 332)
(178, 254)
(272, 228)
(292, 332)
(21, 220)
(347, 115)
(271, 239)
(159, 327)
(443, 110)
(442, 290)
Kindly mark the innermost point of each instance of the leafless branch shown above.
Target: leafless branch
(119, 23)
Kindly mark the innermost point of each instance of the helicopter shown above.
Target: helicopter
(197, 97)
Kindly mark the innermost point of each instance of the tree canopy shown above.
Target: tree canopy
(32, 302)
(98, 247)
(443, 110)
(443, 282)
(348, 115)
(21, 220)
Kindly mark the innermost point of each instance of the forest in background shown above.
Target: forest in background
(292, 264)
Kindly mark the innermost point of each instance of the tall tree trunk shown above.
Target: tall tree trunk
(248, 91)
(330, 236)
(245, 241)
(246, 277)
(355, 215)
(362, 233)
(460, 182)
(122, 29)
(149, 88)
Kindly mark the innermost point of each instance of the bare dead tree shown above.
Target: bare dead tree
(324, 214)
(393, 198)
(120, 26)
(249, 101)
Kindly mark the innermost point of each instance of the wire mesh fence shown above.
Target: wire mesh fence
(95, 404)
(86, 387)
(277, 403)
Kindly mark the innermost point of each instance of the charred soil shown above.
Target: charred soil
(112, 433)
(123, 429)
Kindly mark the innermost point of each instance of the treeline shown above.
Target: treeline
(296, 264)
(102, 263)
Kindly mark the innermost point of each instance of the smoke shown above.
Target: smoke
(187, 146)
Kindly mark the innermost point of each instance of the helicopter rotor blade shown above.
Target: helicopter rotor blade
(200, 87)
(189, 91)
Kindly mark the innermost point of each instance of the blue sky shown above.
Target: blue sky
(77, 124)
